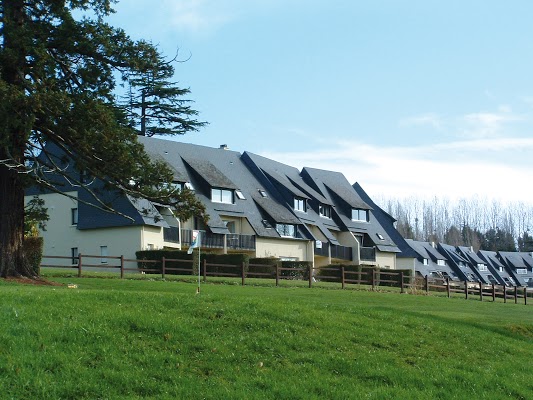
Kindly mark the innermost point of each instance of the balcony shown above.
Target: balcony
(341, 252)
(367, 254)
(322, 251)
(234, 241)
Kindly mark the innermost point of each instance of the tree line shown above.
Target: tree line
(478, 222)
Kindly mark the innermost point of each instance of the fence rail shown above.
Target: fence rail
(370, 276)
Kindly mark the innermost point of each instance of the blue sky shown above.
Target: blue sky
(408, 98)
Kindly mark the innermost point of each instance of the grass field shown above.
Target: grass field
(139, 339)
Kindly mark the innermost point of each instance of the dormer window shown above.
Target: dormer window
(222, 196)
(521, 271)
(425, 261)
(324, 210)
(300, 204)
(482, 267)
(359, 214)
(286, 230)
(441, 262)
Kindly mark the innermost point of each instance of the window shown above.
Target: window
(150, 246)
(286, 230)
(222, 196)
(425, 261)
(74, 254)
(501, 269)
(359, 215)
(300, 204)
(521, 271)
(262, 193)
(74, 216)
(239, 195)
(103, 254)
(189, 186)
(482, 267)
(324, 210)
(266, 224)
(441, 262)
(380, 236)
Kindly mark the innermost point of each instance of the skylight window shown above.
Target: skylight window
(380, 236)
(262, 193)
(189, 186)
(239, 195)
(324, 210)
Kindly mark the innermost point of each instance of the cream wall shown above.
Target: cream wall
(61, 236)
(385, 260)
(271, 247)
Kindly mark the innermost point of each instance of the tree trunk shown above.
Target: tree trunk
(13, 143)
(11, 224)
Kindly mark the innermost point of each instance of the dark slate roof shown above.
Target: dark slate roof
(331, 182)
(139, 211)
(499, 270)
(207, 167)
(425, 250)
(518, 260)
(460, 264)
(386, 221)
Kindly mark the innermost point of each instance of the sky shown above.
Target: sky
(413, 98)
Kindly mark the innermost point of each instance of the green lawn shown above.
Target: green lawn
(138, 339)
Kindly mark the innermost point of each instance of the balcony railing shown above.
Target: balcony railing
(322, 251)
(234, 241)
(240, 242)
(171, 235)
(367, 254)
(341, 252)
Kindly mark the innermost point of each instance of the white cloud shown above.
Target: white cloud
(428, 171)
(487, 124)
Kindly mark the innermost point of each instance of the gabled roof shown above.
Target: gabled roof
(386, 222)
(425, 250)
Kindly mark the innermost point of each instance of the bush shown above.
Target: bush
(267, 262)
(301, 269)
(33, 253)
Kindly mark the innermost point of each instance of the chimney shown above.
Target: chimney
(224, 147)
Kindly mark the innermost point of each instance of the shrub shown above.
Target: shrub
(33, 253)
(301, 269)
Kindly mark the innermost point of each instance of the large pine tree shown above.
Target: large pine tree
(59, 62)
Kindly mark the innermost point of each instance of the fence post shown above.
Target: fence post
(373, 278)
(426, 284)
(525, 295)
(310, 276)
(122, 267)
(401, 281)
(79, 265)
(163, 268)
(493, 292)
(505, 293)
(277, 275)
(516, 294)
(480, 291)
(342, 276)
(466, 290)
(204, 267)
(448, 286)
(243, 272)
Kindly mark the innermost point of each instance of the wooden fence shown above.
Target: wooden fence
(369, 276)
